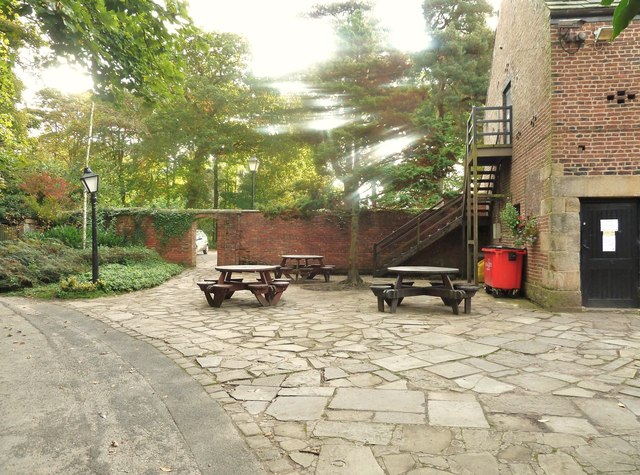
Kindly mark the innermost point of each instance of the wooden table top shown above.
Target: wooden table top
(423, 270)
(246, 268)
(301, 256)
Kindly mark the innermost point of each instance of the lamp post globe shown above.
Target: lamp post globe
(89, 180)
(254, 163)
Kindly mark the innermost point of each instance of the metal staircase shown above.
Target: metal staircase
(488, 146)
(417, 234)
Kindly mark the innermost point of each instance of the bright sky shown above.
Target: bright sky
(281, 39)
(284, 41)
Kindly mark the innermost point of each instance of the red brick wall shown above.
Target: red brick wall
(180, 250)
(595, 135)
(251, 237)
(523, 57)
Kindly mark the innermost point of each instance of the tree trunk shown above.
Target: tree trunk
(353, 275)
(216, 190)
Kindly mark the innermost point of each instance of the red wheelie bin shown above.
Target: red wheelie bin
(503, 270)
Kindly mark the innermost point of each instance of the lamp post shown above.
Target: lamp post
(254, 163)
(90, 182)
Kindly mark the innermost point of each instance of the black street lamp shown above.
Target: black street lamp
(254, 163)
(90, 182)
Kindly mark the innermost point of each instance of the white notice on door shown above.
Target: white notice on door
(608, 228)
(609, 225)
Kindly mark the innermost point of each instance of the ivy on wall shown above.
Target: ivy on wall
(171, 225)
(167, 223)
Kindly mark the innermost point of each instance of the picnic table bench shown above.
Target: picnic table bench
(267, 290)
(451, 294)
(307, 266)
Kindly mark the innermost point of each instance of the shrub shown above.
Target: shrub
(72, 236)
(127, 255)
(73, 284)
(68, 235)
(34, 262)
(121, 278)
(523, 229)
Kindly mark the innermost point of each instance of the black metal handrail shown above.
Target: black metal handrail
(417, 229)
(489, 126)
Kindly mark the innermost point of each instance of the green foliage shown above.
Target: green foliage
(128, 255)
(118, 278)
(30, 263)
(13, 209)
(358, 34)
(68, 235)
(427, 174)
(523, 229)
(455, 69)
(623, 14)
(72, 236)
(171, 223)
(125, 45)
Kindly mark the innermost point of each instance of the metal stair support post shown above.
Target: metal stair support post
(471, 193)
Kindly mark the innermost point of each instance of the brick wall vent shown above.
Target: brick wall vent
(621, 96)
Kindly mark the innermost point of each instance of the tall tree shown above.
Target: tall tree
(13, 122)
(210, 117)
(456, 65)
(62, 123)
(360, 82)
(454, 71)
(126, 45)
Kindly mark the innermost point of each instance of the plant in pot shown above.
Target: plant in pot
(524, 229)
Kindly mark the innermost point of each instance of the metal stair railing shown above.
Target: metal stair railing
(416, 233)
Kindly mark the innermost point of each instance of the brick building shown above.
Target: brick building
(575, 148)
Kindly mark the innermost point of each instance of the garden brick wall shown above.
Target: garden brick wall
(179, 250)
(251, 237)
(248, 237)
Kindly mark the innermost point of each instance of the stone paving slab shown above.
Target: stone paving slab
(378, 400)
(347, 460)
(456, 414)
(356, 431)
(324, 382)
(300, 408)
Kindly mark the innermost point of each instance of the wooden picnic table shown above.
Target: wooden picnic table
(294, 266)
(266, 289)
(394, 293)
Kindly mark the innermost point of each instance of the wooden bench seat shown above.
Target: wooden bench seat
(451, 297)
(379, 289)
(219, 291)
(261, 291)
(279, 286)
(307, 272)
(326, 271)
(469, 291)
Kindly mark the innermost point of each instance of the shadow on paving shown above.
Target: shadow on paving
(79, 397)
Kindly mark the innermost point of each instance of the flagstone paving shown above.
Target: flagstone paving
(325, 384)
